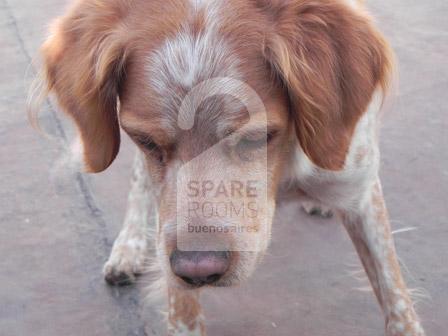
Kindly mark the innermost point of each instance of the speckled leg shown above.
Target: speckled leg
(184, 313)
(130, 248)
(369, 230)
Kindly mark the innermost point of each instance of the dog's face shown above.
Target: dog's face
(215, 94)
(216, 178)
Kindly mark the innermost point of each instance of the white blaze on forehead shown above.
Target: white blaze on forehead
(211, 10)
(187, 59)
(197, 4)
(191, 57)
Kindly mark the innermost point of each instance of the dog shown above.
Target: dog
(230, 103)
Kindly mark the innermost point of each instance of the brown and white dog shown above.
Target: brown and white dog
(288, 90)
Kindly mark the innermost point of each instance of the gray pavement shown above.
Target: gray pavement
(56, 229)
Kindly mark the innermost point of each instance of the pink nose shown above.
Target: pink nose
(199, 268)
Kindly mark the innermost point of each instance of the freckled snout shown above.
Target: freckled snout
(199, 268)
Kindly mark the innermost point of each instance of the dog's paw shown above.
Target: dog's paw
(315, 209)
(125, 262)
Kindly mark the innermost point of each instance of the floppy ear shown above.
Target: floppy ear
(331, 59)
(83, 65)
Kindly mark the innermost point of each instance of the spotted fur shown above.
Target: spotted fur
(321, 70)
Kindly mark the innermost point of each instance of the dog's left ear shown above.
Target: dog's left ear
(331, 59)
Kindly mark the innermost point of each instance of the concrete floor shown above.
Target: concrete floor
(56, 231)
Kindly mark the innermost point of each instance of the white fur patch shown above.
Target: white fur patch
(342, 188)
(189, 58)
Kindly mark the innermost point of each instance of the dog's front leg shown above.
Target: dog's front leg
(130, 249)
(370, 231)
(184, 313)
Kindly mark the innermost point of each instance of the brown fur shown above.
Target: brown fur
(314, 64)
(329, 57)
(331, 60)
(85, 61)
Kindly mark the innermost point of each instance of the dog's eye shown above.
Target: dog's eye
(152, 148)
(249, 145)
(253, 142)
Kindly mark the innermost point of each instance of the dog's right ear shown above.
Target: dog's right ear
(84, 60)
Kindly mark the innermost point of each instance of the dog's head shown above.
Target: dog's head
(215, 94)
